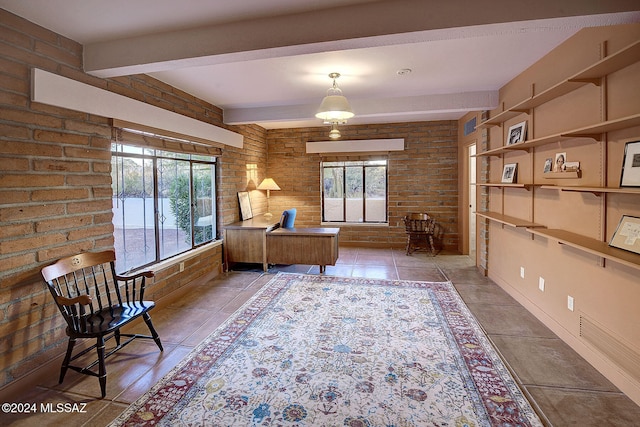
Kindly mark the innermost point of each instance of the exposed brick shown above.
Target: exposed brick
(59, 194)
(15, 229)
(19, 245)
(22, 213)
(89, 180)
(54, 165)
(30, 148)
(8, 131)
(19, 181)
(13, 164)
(65, 223)
(87, 153)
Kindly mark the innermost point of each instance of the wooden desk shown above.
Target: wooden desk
(246, 241)
(314, 246)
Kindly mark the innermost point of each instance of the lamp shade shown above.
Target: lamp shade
(268, 184)
(334, 108)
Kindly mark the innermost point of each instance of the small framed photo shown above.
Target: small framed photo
(517, 133)
(548, 165)
(509, 173)
(627, 235)
(245, 205)
(631, 165)
(559, 165)
(572, 166)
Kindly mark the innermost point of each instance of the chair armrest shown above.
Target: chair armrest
(148, 273)
(82, 299)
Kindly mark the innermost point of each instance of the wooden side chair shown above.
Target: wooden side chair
(96, 303)
(422, 232)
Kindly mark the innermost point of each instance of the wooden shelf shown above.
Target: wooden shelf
(563, 175)
(500, 118)
(592, 132)
(614, 62)
(499, 184)
(508, 220)
(592, 246)
(591, 74)
(595, 190)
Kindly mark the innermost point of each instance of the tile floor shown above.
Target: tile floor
(560, 383)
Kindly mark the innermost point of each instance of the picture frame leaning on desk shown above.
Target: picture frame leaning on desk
(245, 205)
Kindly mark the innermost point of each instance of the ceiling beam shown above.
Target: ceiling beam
(371, 24)
(370, 108)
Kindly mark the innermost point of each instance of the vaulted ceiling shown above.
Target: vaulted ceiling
(267, 62)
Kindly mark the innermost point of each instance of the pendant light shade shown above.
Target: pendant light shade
(334, 106)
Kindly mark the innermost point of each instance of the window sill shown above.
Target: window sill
(182, 257)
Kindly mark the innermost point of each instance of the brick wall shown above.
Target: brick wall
(422, 178)
(55, 186)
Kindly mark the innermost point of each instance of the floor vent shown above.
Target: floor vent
(619, 353)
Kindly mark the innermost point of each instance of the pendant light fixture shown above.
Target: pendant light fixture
(335, 108)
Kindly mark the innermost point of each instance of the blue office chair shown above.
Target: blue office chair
(288, 218)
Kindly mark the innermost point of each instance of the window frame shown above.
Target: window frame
(121, 149)
(363, 164)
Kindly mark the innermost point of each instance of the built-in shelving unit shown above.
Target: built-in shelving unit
(594, 74)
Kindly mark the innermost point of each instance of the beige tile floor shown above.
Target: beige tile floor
(565, 388)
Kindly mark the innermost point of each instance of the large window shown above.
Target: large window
(163, 204)
(354, 191)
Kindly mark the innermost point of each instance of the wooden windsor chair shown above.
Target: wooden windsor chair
(422, 233)
(96, 302)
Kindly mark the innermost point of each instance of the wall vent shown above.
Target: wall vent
(621, 354)
(470, 126)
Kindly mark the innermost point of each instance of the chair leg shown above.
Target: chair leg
(154, 334)
(102, 370)
(116, 335)
(67, 359)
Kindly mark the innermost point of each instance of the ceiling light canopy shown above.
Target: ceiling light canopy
(334, 106)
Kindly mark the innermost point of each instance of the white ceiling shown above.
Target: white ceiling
(267, 62)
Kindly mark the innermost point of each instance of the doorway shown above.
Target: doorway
(472, 200)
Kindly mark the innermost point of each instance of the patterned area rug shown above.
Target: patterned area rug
(333, 351)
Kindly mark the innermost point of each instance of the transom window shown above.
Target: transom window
(354, 191)
(163, 204)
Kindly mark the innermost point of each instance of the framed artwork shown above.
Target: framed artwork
(245, 205)
(517, 133)
(559, 165)
(509, 173)
(627, 235)
(548, 165)
(631, 165)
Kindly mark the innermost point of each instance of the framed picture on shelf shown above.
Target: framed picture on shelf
(509, 173)
(517, 133)
(245, 205)
(631, 165)
(548, 165)
(559, 165)
(627, 235)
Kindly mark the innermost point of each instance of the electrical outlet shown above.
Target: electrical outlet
(181, 267)
(570, 302)
(541, 284)
(522, 272)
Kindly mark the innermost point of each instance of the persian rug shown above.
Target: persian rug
(335, 351)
